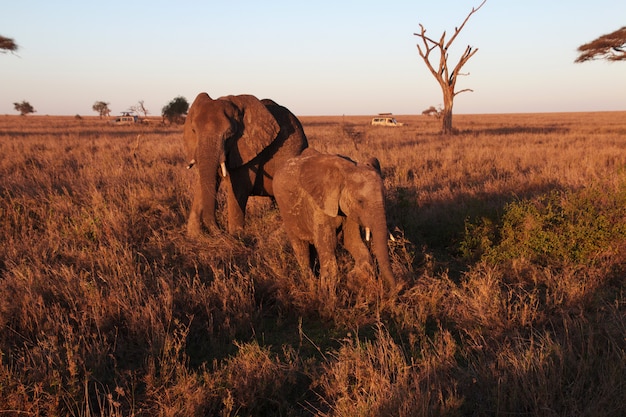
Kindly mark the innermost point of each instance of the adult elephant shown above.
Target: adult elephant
(317, 193)
(241, 140)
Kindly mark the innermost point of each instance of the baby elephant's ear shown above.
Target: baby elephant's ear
(323, 183)
(374, 163)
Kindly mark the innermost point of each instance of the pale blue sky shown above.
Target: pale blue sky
(317, 58)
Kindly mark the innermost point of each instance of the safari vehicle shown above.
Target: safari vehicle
(125, 119)
(385, 121)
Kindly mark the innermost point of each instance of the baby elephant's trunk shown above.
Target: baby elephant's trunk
(380, 235)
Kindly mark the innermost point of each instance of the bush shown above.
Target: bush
(556, 229)
(175, 110)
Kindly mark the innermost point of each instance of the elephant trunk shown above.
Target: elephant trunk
(209, 165)
(380, 250)
(379, 247)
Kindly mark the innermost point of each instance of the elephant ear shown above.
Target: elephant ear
(259, 129)
(323, 181)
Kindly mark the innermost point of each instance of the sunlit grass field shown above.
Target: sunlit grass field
(510, 240)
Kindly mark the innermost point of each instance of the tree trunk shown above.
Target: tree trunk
(446, 122)
(446, 114)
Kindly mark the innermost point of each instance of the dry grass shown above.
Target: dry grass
(510, 239)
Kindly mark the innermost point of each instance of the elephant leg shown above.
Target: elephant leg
(193, 222)
(236, 213)
(325, 243)
(238, 191)
(354, 244)
(302, 254)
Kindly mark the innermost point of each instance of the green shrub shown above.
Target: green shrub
(554, 229)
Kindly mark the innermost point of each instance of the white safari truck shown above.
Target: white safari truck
(385, 121)
(125, 119)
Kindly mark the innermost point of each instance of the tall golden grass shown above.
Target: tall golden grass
(510, 242)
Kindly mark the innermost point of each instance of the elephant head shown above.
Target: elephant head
(222, 136)
(340, 188)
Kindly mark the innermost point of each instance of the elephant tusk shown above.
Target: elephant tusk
(367, 234)
(191, 164)
(393, 239)
(224, 171)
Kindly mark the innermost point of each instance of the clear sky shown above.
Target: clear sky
(316, 58)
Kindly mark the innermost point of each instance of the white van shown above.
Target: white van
(385, 121)
(125, 120)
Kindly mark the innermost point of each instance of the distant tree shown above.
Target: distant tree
(7, 44)
(24, 108)
(611, 47)
(175, 110)
(433, 111)
(447, 79)
(102, 108)
(140, 108)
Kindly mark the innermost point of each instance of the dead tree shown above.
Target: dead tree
(447, 79)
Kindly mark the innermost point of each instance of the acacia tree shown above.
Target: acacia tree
(175, 110)
(447, 79)
(24, 108)
(102, 108)
(7, 44)
(611, 47)
(140, 108)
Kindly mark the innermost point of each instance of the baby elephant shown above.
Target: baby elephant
(317, 193)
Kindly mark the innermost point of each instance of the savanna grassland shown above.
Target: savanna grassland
(510, 240)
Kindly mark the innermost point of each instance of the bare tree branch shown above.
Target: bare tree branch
(465, 90)
(458, 30)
